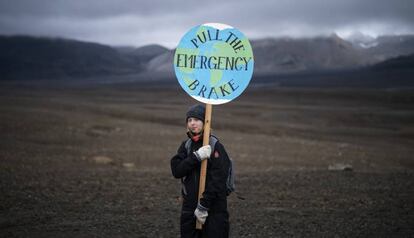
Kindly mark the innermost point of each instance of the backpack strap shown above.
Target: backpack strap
(188, 146)
(212, 142)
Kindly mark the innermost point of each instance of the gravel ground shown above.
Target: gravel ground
(93, 161)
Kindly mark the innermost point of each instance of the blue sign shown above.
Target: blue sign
(214, 63)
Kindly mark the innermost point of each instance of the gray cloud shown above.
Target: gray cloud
(129, 22)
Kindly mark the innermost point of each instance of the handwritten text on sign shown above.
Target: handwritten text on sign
(214, 63)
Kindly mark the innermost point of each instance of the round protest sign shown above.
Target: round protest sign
(214, 63)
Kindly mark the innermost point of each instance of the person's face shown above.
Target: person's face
(195, 125)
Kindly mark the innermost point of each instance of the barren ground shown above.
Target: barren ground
(93, 161)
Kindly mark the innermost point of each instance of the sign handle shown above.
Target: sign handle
(203, 169)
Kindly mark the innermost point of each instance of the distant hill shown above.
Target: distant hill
(289, 55)
(25, 57)
(144, 54)
(149, 51)
(32, 58)
(399, 63)
(387, 47)
(162, 63)
(393, 73)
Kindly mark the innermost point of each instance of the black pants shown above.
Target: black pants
(216, 226)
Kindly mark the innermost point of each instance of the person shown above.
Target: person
(211, 211)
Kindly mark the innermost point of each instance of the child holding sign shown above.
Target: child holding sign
(211, 210)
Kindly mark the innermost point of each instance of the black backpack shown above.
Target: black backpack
(231, 187)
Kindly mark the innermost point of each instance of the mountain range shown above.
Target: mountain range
(25, 57)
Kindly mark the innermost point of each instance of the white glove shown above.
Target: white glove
(203, 153)
(201, 214)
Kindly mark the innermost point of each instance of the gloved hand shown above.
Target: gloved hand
(203, 153)
(201, 214)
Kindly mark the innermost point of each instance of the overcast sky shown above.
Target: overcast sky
(137, 23)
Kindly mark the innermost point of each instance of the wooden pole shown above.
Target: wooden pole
(203, 169)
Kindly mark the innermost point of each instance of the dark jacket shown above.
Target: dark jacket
(214, 197)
